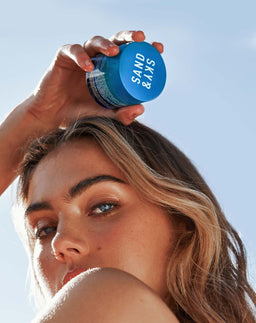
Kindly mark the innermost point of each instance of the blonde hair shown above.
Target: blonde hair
(206, 276)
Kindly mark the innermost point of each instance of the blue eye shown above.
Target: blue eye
(44, 232)
(103, 209)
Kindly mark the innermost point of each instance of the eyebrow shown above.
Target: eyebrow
(39, 206)
(74, 191)
(83, 185)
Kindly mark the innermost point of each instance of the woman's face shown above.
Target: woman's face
(83, 214)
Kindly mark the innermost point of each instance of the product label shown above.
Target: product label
(143, 71)
(98, 85)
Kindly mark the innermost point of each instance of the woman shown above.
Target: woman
(122, 198)
(101, 194)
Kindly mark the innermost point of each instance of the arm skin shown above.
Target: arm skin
(106, 295)
(60, 98)
(12, 137)
(16, 132)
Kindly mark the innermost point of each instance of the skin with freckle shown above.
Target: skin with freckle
(134, 237)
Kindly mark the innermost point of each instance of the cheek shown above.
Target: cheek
(139, 246)
(118, 243)
(136, 241)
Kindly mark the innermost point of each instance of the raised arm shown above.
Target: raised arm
(60, 98)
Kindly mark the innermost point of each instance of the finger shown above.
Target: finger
(127, 115)
(78, 55)
(128, 36)
(158, 46)
(98, 44)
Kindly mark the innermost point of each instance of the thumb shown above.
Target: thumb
(128, 114)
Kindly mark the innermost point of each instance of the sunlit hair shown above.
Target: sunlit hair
(206, 275)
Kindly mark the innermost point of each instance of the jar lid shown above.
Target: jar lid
(142, 70)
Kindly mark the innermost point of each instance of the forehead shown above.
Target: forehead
(67, 165)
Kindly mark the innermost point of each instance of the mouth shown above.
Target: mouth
(71, 274)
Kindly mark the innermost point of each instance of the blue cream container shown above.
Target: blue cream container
(136, 75)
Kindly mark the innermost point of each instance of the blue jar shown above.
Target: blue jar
(136, 75)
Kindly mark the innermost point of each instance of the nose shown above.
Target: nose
(70, 243)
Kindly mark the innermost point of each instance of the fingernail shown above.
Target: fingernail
(88, 64)
(112, 50)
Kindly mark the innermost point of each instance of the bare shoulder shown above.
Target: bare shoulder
(106, 295)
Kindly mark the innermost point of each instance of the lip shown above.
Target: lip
(71, 274)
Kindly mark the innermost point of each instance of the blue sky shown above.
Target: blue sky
(207, 108)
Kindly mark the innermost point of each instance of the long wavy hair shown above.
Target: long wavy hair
(206, 275)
